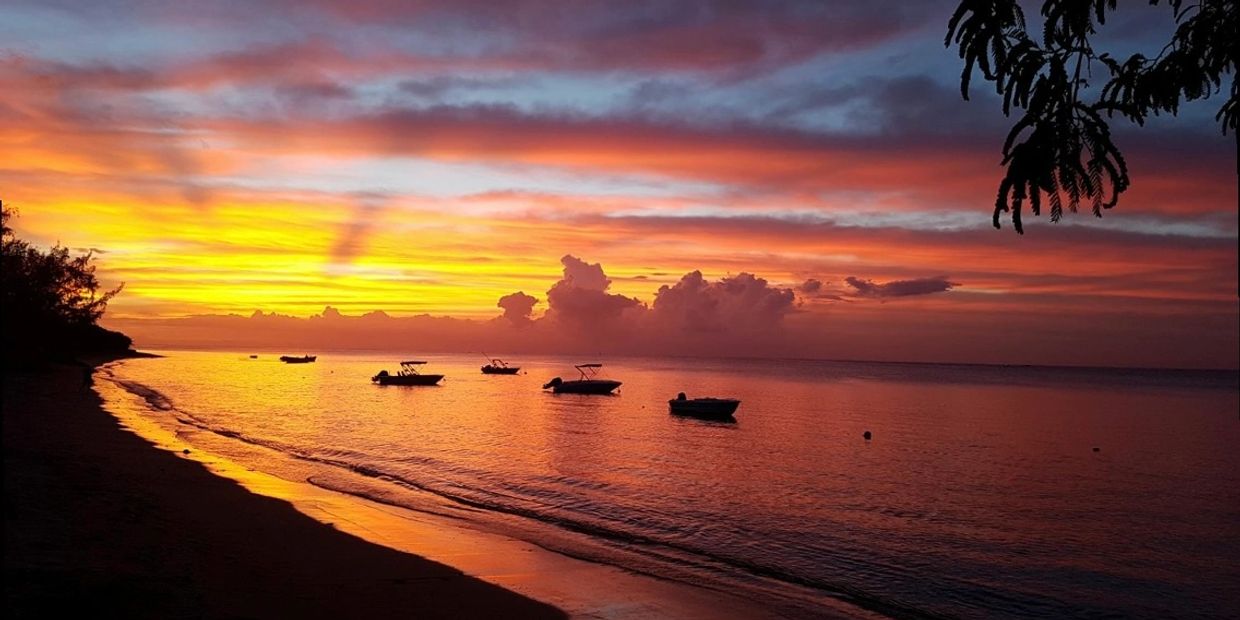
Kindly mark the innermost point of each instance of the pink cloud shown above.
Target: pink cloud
(580, 299)
(733, 304)
(518, 307)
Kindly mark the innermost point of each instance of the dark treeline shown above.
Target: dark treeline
(51, 303)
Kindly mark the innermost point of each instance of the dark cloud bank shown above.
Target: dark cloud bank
(900, 288)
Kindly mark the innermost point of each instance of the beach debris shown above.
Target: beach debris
(866, 435)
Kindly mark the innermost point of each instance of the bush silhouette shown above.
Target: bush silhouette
(51, 302)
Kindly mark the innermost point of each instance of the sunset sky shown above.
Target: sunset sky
(434, 157)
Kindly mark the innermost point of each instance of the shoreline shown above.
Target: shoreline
(580, 585)
(99, 519)
(512, 567)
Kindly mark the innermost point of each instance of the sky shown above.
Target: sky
(785, 179)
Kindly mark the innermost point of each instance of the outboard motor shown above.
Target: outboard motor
(382, 373)
(552, 383)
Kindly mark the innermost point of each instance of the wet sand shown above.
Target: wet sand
(98, 521)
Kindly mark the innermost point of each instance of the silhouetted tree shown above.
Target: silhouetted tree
(51, 299)
(1060, 151)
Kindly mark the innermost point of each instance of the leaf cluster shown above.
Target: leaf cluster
(1060, 152)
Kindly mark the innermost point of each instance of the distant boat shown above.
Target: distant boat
(714, 408)
(407, 375)
(253, 357)
(587, 384)
(499, 367)
(292, 359)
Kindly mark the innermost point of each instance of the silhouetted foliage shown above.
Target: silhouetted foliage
(51, 299)
(1060, 151)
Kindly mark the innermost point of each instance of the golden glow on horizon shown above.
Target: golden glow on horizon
(241, 255)
(283, 257)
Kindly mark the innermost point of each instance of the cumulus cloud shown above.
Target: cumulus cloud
(580, 297)
(517, 307)
(900, 288)
(743, 302)
(810, 286)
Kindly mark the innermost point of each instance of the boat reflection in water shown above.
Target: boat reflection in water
(707, 408)
(589, 383)
(407, 375)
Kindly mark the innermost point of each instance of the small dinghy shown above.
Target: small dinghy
(712, 408)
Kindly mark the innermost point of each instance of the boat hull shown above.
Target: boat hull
(407, 379)
(586, 386)
(500, 370)
(713, 408)
(288, 359)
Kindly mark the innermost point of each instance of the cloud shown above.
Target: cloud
(813, 290)
(517, 307)
(438, 86)
(699, 35)
(900, 288)
(580, 298)
(329, 313)
(313, 92)
(340, 105)
(743, 302)
(742, 315)
(705, 36)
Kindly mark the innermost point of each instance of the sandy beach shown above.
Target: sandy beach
(98, 520)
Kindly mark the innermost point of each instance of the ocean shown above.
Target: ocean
(984, 492)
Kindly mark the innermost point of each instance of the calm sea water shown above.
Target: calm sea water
(981, 494)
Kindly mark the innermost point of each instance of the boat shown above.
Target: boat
(589, 383)
(499, 367)
(714, 408)
(253, 357)
(407, 375)
(304, 359)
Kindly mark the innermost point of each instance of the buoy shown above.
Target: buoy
(866, 435)
(185, 451)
